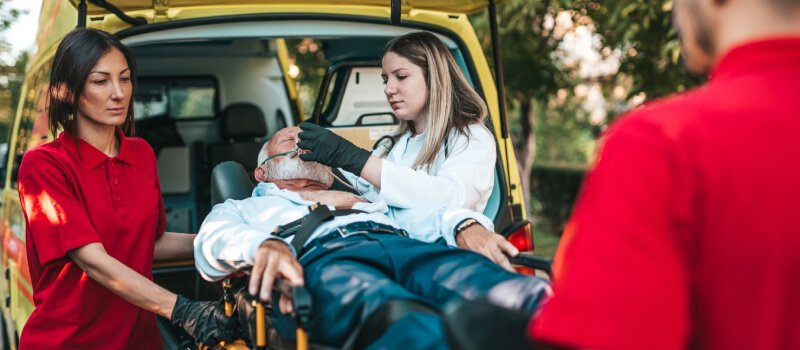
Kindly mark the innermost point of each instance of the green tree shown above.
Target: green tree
(11, 77)
(547, 118)
(12, 71)
(531, 74)
(308, 56)
(643, 30)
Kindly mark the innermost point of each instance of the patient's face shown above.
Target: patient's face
(291, 167)
(284, 140)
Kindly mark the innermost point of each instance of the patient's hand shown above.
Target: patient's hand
(490, 244)
(337, 199)
(274, 260)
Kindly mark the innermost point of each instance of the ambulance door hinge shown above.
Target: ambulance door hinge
(397, 9)
(160, 10)
(104, 4)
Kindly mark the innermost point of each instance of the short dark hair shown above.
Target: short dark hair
(75, 57)
(786, 5)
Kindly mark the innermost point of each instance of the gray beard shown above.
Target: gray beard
(292, 168)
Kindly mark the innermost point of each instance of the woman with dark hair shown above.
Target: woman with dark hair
(95, 217)
(443, 156)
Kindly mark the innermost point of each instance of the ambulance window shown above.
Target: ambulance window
(363, 101)
(177, 98)
(326, 103)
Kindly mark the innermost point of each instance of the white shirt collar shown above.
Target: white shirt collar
(264, 189)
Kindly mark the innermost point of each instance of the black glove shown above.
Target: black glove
(205, 321)
(331, 149)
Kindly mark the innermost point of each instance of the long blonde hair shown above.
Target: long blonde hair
(451, 102)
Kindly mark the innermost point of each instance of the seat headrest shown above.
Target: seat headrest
(229, 180)
(243, 121)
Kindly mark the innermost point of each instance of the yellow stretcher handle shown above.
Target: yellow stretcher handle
(261, 326)
(302, 339)
(236, 345)
(227, 284)
(228, 309)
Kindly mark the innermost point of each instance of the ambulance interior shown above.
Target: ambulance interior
(213, 93)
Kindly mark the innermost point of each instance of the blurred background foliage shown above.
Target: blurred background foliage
(570, 69)
(12, 71)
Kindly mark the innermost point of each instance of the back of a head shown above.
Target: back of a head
(785, 6)
(75, 57)
(709, 29)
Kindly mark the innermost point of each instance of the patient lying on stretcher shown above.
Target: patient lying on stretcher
(358, 258)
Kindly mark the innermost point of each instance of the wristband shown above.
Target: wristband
(464, 224)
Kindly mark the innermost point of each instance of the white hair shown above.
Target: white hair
(263, 153)
(290, 168)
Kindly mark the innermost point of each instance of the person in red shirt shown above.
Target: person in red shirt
(687, 232)
(95, 217)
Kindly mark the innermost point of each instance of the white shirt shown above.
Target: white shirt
(464, 178)
(231, 233)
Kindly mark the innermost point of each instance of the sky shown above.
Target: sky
(22, 34)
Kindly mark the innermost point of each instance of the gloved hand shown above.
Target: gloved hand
(205, 321)
(331, 149)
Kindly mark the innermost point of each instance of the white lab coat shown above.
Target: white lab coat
(464, 178)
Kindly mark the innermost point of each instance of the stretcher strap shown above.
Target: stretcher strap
(318, 214)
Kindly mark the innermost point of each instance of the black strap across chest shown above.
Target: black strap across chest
(302, 228)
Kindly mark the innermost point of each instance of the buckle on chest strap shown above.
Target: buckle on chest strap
(303, 228)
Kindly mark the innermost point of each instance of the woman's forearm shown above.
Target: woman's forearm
(122, 280)
(372, 171)
(174, 246)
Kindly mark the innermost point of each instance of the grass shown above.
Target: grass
(545, 238)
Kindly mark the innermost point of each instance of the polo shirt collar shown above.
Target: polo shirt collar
(757, 55)
(90, 157)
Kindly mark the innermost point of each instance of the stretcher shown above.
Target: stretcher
(229, 181)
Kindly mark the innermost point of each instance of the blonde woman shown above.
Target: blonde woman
(444, 155)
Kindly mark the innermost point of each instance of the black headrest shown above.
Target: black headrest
(229, 180)
(159, 132)
(243, 121)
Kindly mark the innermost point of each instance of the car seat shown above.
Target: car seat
(243, 132)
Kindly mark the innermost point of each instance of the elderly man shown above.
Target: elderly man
(353, 264)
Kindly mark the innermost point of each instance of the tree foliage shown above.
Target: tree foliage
(529, 39)
(526, 47)
(643, 29)
(12, 71)
(7, 18)
(546, 95)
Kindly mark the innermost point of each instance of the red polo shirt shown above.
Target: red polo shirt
(72, 197)
(687, 231)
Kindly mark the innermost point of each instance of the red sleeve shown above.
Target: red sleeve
(621, 278)
(57, 221)
(162, 216)
(161, 224)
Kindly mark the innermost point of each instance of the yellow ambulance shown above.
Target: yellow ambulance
(207, 64)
